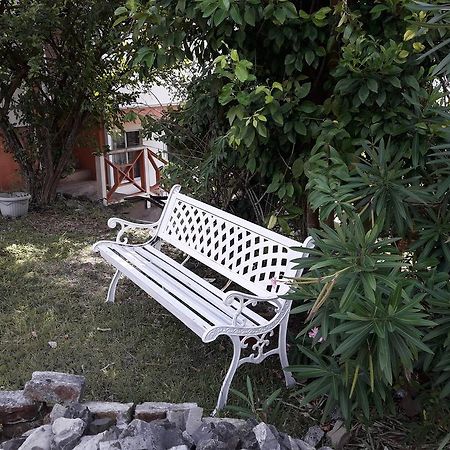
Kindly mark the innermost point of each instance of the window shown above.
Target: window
(133, 138)
(126, 140)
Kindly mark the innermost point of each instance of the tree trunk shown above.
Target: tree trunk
(53, 170)
(312, 217)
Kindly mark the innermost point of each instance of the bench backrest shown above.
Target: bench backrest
(242, 251)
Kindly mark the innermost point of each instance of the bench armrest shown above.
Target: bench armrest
(126, 226)
(241, 300)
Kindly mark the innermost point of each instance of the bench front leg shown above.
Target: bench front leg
(282, 349)
(224, 390)
(112, 287)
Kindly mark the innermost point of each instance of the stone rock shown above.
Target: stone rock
(138, 435)
(220, 431)
(40, 439)
(93, 442)
(71, 411)
(302, 445)
(265, 437)
(211, 444)
(150, 411)
(287, 442)
(14, 407)
(314, 435)
(18, 429)
(88, 442)
(12, 444)
(227, 433)
(247, 436)
(112, 445)
(325, 448)
(238, 423)
(67, 433)
(177, 413)
(339, 436)
(27, 433)
(179, 447)
(54, 387)
(203, 432)
(100, 425)
(194, 419)
(171, 435)
(120, 412)
(188, 439)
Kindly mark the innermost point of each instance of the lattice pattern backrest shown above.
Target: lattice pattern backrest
(240, 250)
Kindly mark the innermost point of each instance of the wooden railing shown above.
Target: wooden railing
(137, 174)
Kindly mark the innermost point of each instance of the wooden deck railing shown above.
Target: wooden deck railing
(136, 174)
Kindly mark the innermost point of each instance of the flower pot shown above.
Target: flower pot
(14, 204)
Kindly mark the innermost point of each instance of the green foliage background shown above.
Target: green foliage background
(63, 70)
(329, 118)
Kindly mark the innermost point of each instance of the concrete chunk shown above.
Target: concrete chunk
(314, 435)
(70, 411)
(120, 412)
(93, 442)
(266, 439)
(54, 387)
(150, 411)
(100, 425)
(13, 444)
(15, 407)
(40, 439)
(67, 433)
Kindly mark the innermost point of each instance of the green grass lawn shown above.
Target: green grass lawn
(52, 288)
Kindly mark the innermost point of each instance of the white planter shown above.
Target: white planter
(14, 204)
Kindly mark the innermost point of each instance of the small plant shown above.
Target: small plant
(253, 408)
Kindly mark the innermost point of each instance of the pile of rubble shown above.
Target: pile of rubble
(48, 415)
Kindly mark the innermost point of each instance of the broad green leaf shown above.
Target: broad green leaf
(372, 84)
(249, 15)
(277, 85)
(309, 57)
(363, 93)
(234, 55)
(272, 222)
(241, 72)
(409, 34)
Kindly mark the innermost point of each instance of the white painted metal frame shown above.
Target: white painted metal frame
(255, 258)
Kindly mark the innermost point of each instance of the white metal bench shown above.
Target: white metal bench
(248, 255)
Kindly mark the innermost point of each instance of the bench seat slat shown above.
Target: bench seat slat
(198, 283)
(184, 314)
(201, 307)
(193, 300)
(211, 299)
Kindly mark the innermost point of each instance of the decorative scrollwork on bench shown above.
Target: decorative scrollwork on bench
(126, 227)
(214, 332)
(258, 347)
(246, 300)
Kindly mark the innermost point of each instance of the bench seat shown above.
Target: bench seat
(194, 301)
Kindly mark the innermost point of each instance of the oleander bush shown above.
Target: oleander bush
(331, 119)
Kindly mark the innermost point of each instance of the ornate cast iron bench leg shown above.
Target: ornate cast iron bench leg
(223, 395)
(257, 355)
(112, 287)
(282, 348)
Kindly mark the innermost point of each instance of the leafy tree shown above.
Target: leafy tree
(339, 113)
(62, 67)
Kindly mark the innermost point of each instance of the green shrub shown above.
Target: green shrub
(335, 117)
